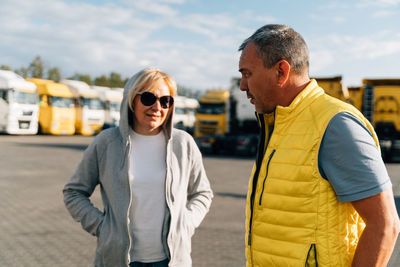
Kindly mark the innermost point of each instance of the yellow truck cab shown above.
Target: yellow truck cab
(211, 115)
(333, 86)
(226, 122)
(56, 108)
(89, 108)
(381, 105)
(356, 96)
(19, 107)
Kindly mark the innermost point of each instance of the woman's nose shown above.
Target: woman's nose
(156, 105)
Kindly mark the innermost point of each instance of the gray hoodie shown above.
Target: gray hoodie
(106, 163)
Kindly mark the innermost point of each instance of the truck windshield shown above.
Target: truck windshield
(115, 106)
(179, 110)
(61, 102)
(4, 95)
(206, 108)
(25, 98)
(92, 103)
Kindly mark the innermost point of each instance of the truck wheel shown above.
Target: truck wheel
(40, 131)
(387, 155)
(253, 150)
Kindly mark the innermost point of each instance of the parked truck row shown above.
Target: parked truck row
(226, 122)
(31, 106)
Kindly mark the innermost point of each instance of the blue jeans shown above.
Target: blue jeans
(163, 263)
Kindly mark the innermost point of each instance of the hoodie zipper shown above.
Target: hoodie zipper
(168, 189)
(128, 148)
(266, 175)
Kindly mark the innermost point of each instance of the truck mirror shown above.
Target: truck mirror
(43, 100)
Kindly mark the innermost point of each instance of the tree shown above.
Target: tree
(36, 68)
(54, 74)
(185, 91)
(115, 80)
(102, 81)
(82, 77)
(5, 67)
(22, 72)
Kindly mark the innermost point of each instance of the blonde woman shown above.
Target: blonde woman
(153, 184)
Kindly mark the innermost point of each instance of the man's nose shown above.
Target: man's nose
(243, 85)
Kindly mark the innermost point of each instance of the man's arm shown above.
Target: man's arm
(382, 228)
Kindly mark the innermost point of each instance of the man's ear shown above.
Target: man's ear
(283, 69)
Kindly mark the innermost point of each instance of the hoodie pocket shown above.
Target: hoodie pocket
(188, 223)
(100, 226)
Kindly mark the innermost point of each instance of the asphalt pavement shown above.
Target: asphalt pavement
(36, 229)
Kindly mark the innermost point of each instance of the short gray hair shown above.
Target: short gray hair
(275, 42)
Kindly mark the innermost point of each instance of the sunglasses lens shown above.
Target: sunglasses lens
(148, 98)
(166, 101)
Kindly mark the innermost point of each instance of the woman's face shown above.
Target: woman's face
(149, 119)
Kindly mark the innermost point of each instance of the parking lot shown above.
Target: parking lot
(36, 229)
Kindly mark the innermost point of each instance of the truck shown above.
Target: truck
(381, 106)
(226, 122)
(356, 96)
(333, 86)
(88, 107)
(19, 104)
(56, 108)
(185, 113)
(111, 99)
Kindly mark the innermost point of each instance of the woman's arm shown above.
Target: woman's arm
(199, 191)
(80, 187)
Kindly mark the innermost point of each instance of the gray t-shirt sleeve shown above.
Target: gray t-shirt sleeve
(349, 159)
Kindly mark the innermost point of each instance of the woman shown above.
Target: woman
(153, 184)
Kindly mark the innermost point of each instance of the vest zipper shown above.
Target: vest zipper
(259, 158)
(312, 247)
(266, 175)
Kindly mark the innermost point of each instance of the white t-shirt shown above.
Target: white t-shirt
(147, 180)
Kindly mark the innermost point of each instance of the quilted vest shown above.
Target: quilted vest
(293, 217)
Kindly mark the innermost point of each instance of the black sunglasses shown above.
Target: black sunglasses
(149, 99)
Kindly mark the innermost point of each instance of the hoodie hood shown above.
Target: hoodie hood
(126, 120)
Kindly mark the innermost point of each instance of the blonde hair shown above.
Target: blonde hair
(145, 78)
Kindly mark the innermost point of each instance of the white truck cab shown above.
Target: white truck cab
(19, 104)
(111, 99)
(185, 113)
(89, 108)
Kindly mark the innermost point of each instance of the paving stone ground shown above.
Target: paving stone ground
(36, 229)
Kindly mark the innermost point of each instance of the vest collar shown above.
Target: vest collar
(301, 101)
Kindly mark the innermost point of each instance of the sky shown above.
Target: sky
(196, 41)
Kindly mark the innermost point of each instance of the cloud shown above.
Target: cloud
(384, 13)
(378, 3)
(321, 59)
(199, 49)
(354, 56)
(323, 18)
(159, 7)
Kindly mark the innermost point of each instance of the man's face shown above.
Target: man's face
(259, 83)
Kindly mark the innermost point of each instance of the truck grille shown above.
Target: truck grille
(208, 123)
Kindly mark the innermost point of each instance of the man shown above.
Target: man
(319, 193)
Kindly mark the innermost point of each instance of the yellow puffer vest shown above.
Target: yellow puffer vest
(293, 217)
